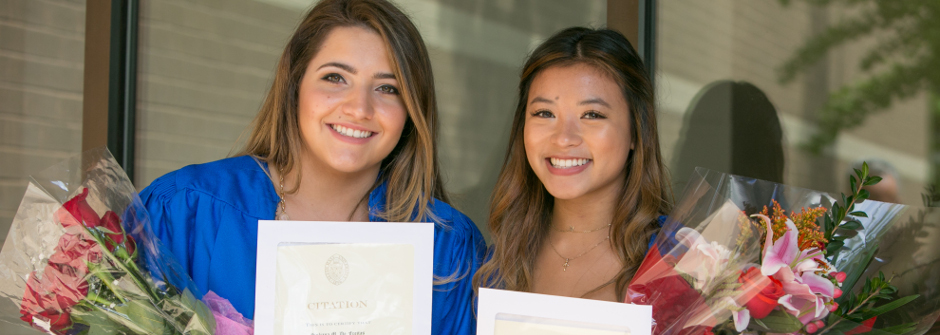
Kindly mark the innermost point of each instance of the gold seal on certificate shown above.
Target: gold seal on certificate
(332, 278)
(343, 288)
(336, 269)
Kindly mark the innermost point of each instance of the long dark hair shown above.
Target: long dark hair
(411, 170)
(521, 207)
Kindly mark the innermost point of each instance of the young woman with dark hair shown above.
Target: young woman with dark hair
(583, 187)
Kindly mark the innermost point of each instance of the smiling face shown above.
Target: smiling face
(350, 110)
(577, 132)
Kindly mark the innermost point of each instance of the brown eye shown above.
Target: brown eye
(334, 78)
(543, 114)
(593, 115)
(388, 89)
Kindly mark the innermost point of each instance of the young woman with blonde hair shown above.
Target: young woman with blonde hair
(583, 187)
(346, 133)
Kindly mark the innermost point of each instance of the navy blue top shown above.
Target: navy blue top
(207, 215)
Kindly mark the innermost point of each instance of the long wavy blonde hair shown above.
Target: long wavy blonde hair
(521, 207)
(411, 170)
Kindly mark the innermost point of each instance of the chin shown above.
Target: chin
(564, 193)
(345, 167)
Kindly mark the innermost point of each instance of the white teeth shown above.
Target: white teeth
(351, 132)
(568, 163)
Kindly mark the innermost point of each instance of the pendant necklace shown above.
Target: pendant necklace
(281, 212)
(567, 259)
(282, 205)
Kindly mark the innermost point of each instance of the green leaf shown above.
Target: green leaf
(862, 195)
(777, 322)
(834, 247)
(852, 277)
(889, 307)
(852, 182)
(860, 214)
(901, 328)
(850, 225)
(202, 321)
(872, 180)
(97, 321)
(145, 316)
(864, 170)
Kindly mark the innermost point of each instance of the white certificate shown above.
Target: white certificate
(344, 278)
(508, 312)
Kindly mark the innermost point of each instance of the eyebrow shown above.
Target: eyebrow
(350, 69)
(541, 99)
(345, 67)
(598, 101)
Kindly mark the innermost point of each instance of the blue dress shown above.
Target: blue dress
(207, 215)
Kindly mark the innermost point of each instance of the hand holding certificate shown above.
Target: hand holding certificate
(344, 277)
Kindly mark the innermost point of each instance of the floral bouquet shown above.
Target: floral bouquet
(741, 255)
(80, 259)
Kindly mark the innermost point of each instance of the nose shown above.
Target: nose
(358, 104)
(567, 133)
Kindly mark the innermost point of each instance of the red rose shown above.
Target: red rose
(765, 290)
(51, 298)
(864, 328)
(112, 222)
(77, 210)
(656, 283)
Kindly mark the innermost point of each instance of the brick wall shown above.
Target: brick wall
(41, 62)
(204, 69)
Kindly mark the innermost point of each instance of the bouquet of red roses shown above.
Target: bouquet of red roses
(80, 258)
(741, 255)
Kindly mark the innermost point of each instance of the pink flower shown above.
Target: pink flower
(806, 292)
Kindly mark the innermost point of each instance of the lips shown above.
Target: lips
(567, 166)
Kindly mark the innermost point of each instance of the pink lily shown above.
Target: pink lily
(807, 292)
(740, 314)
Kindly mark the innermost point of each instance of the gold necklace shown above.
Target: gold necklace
(571, 229)
(567, 259)
(281, 212)
(282, 205)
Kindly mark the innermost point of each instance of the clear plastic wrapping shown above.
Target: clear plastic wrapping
(712, 268)
(80, 258)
